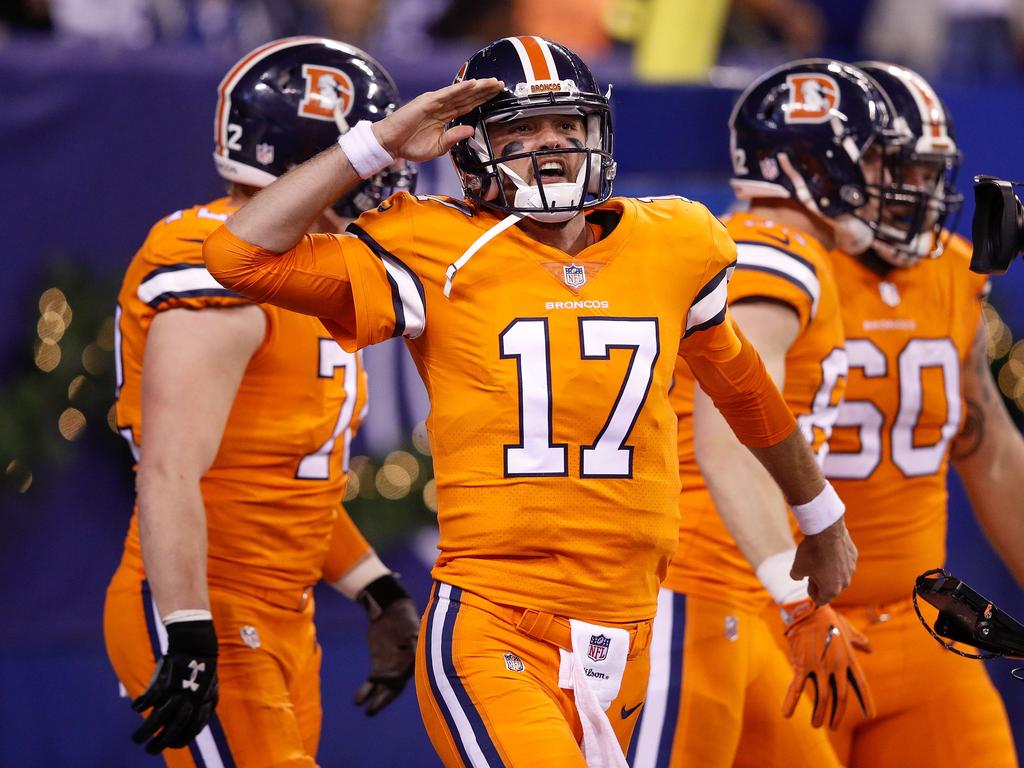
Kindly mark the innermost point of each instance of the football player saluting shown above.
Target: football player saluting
(919, 393)
(544, 317)
(718, 679)
(240, 416)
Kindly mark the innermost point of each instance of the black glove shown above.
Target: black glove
(183, 691)
(394, 627)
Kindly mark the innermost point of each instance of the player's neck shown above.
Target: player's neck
(794, 215)
(570, 236)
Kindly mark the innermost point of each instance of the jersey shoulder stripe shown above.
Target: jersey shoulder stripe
(448, 203)
(407, 294)
(708, 307)
(180, 281)
(784, 264)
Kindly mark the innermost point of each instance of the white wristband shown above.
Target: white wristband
(356, 578)
(820, 512)
(773, 573)
(186, 615)
(363, 150)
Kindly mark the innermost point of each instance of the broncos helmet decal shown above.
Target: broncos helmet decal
(289, 100)
(801, 130)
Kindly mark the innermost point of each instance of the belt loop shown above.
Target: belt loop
(534, 623)
(641, 638)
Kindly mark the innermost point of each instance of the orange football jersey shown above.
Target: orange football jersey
(552, 433)
(778, 264)
(274, 489)
(908, 334)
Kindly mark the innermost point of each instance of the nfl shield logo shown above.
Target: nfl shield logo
(598, 650)
(250, 636)
(574, 275)
(513, 663)
(264, 154)
(890, 293)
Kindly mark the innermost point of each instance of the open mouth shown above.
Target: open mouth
(553, 170)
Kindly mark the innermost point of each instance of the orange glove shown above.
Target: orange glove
(821, 646)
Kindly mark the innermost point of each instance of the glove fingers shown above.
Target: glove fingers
(381, 697)
(157, 719)
(174, 734)
(820, 702)
(363, 693)
(863, 692)
(839, 696)
(793, 693)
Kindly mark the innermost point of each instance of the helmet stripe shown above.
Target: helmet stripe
(931, 109)
(236, 73)
(548, 58)
(531, 57)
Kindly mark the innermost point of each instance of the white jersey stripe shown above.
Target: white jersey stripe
(652, 723)
(178, 281)
(775, 260)
(466, 733)
(710, 305)
(412, 302)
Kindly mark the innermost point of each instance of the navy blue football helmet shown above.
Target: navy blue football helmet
(918, 194)
(802, 130)
(541, 77)
(289, 100)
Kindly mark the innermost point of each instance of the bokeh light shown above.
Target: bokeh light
(71, 423)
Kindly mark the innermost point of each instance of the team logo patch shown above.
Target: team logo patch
(812, 98)
(598, 650)
(264, 153)
(732, 629)
(890, 294)
(513, 663)
(574, 275)
(327, 89)
(250, 636)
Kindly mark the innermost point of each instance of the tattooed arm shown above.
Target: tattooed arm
(989, 457)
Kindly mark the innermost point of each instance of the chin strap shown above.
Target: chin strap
(479, 243)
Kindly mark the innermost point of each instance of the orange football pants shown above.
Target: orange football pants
(268, 670)
(487, 684)
(935, 709)
(718, 681)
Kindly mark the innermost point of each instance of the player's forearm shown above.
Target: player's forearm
(172, 530)
(748, 501)
(278, 217)
(991, 476)
(792, 466)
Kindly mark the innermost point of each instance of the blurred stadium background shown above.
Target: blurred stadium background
(105, 125)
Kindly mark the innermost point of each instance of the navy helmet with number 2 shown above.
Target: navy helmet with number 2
(289, 100)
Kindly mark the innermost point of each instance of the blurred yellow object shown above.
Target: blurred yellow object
(674, 41)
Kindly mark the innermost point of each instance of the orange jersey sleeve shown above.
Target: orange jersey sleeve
(280, 470)
(909, 332)
(361, 289)
(348, 546)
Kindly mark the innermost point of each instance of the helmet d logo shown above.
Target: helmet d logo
(326, 87)
(812, 98)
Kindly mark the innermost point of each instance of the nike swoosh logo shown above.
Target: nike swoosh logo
(784, 240)
(627, 712)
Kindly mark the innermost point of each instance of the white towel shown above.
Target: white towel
(593, 670)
